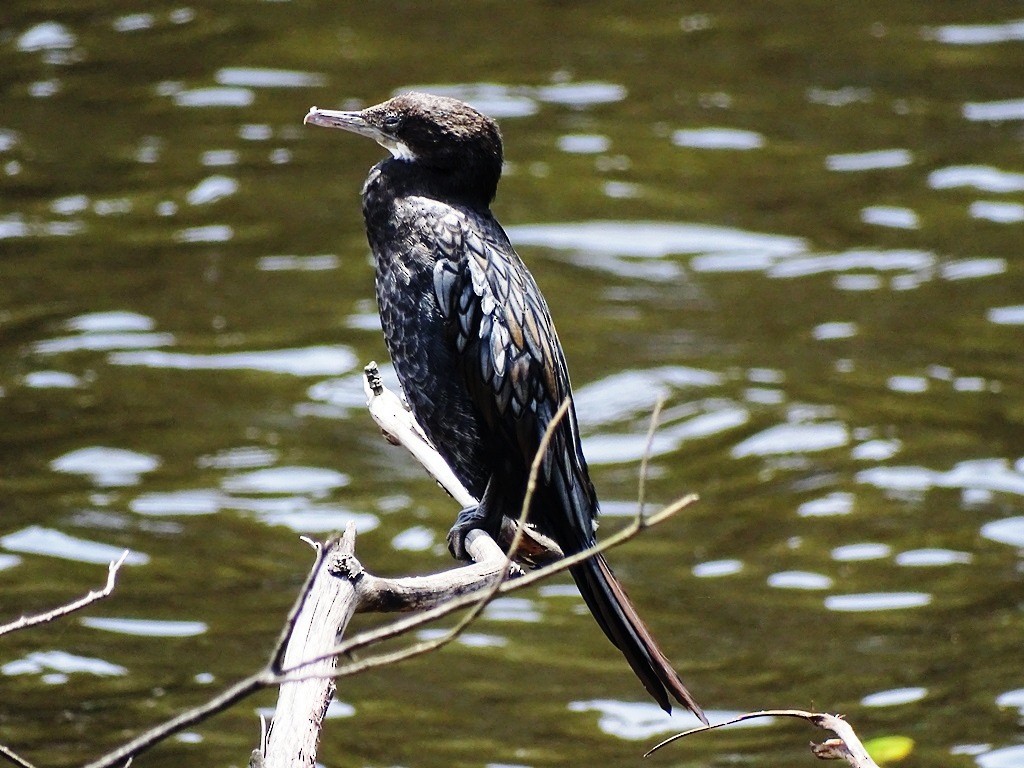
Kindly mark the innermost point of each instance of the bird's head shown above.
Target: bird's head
(444, 136)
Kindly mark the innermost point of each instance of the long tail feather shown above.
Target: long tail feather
(618, 618)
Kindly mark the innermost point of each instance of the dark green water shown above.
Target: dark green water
(186, 303)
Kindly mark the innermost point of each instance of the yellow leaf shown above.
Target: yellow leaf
(889, 749)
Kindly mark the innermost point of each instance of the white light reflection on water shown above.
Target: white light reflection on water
(877, 601)
(652, 239)
(583, 94)
(214, 97)
(1010, 531)
(717, 568)
(984, 474)
(243, 457)
(982, 177)
(867, 550)
(211, 189)
(1006, 757)
(935, 557)
(300, 514)
(614, 448)
(869, 161)
(635, 720)
(106, 467)
(62, 663)
(1012, 699)
(37, 540)
(997, 211)
(289, 263)
(310, 361)
(512, 609)
(890, 216)
(259, 77)
(1007, 315)
(894, 697)
(806, 580)
(835, 503)
(419, 538)
(976, 34)
(718, 138)
(857, 259)
(46, 36)
(198, 501)
(876, 450)
(315, 481)
(793, 438)
(994, 111)
(633, 393)
(51, 380)
(102, 342)
(584, 143)
(210, 233)
(145, 627)
(967, 269)
(468, 639)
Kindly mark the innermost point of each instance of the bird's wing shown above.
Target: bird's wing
(510, 356)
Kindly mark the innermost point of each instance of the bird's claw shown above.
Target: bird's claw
(468, 519)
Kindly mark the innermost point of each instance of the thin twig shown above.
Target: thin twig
(641, 495)
(75, 605)
(14, 757)
(847, 747)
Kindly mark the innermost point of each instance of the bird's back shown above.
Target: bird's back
(473, 345)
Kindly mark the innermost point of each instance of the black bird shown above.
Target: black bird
(475, 349)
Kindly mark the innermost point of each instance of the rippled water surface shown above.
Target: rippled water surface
(801, 226)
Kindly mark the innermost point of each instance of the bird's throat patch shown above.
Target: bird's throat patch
(400, 150)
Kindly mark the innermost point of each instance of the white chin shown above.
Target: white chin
(399, 150)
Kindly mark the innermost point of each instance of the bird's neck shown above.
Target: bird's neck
(471, 184)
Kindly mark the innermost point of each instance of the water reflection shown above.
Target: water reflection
(718, 138)
(144, 627)
(38, 540)
(877, 601)
(636, 721)
(894, 697)
(833, 313)
(106, 467)
(311, 361)
(55, 666)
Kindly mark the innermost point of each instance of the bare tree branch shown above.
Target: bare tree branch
(14, 758)
(76, 605)
(847, 747)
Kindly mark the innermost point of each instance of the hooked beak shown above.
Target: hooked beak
(354, 122)
(349, 121)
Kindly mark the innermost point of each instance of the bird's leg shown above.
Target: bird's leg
(485, 516)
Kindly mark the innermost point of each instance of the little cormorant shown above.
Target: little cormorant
(475, 349)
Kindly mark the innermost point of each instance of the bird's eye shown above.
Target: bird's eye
(392, 121)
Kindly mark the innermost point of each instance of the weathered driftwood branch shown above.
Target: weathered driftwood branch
(307, 696)
(847, 747)
(339, 588)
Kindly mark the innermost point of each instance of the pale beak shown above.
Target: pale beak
(354, 122)
(349, 121)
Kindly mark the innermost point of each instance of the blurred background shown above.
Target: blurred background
(799, 222)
